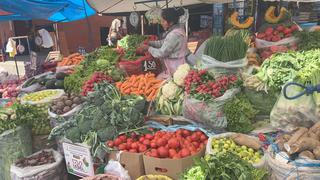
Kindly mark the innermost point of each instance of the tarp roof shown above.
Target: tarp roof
(53, 10)
(120, 6)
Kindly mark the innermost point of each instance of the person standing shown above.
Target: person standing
(115, 32)
(172, 50)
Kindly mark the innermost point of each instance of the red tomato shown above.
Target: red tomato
(123, 138)
(186, 133)
(134, 145)
(195, 137)
(163, 152)
(110, 144)
(161, 142)
(172, 153)
(133, 150)
(153, 145)
(129, 140)
(174, 143)
(154, 154)
(129, 144)
(184, 152)
(122, 147)
(203, 137)
(206, 141)
(189, 138)
(146, 142)
(149, 136)
(117, 142)
(141, 139)
(142, 148)
(196, 144)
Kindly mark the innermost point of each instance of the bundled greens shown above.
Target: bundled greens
(308, 40)
(281, 68)
(239, 113)
(223, 166)
(228, 48)
(130, 43)
(103, 59)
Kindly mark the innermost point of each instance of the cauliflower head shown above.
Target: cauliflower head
(180, 74)
(169, 90)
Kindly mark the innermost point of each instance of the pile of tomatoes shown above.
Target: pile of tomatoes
(162, 144)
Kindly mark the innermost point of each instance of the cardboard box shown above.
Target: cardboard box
(173, 167)
(132, 162)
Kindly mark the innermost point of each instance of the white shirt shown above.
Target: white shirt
(47, 41)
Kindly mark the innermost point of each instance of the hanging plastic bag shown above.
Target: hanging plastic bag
(219, 68)
(209, 114)
(115, 168)
(288, 114)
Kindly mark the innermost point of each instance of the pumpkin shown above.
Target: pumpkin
(235, 21)
(270, 17)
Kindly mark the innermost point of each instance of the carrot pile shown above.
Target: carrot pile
(73, 59)
(145, 84)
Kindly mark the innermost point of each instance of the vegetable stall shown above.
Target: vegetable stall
(248, 109)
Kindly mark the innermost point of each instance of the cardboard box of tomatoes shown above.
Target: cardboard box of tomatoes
(158, 152)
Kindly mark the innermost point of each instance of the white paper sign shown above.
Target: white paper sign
(78, 160)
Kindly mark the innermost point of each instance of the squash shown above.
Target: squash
(235, 22)
(270, 17)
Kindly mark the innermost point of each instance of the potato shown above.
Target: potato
(66, 109)
(60, 105)
(64, 97)
(68, 103)
(77, 100)
(54, 108)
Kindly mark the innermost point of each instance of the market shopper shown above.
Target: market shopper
(115, 32)
(172, 50)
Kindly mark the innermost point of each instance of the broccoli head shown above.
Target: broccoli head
(84, 126)
(73, 134)
(98, 123)
(106, 133)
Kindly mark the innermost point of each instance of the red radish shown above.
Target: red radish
(203, 137)
(141, 139)
(186, 133)
(149, 136)
(134, 135)
(184, 153)
(134, 145)
(280, 28)
(123, 138)
(146, 142)
(195, 137)
(117, 142)
(122, 147)
(142, 148)
(110, 144)
(172, 153)
(161, 142)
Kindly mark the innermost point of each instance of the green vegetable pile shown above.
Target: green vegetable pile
(228, 48)
(308, 40)
(223, 166)
(103, 59)
(285, 67)
(130, 43)
(239, 113)
(104, 115)
(7, 119)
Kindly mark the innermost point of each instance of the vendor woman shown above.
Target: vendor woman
(172, 50)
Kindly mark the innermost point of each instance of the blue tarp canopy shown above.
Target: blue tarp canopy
(53, 10)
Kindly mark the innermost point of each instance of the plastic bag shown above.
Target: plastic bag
(267, 48)
(209, 114)
(209, 150)
(14, 144)
(53, 171)
(219, 68)
(292, 170)
(36, 86)
(58, 94)
(115, 168)
(289, 114)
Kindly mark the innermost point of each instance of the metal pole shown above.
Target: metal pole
(142, 24)
(17, 69)
(90, 39)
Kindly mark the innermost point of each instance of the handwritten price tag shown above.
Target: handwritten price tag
(149, 65)
(78, 160)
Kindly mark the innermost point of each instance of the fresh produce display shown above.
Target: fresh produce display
(201, 85)
(146, 85)
(226, 49)
(97, 77)
(270, 16)
(103, 59)
(44, 157)
(162, 144)
(73, 59)
(224, 145)
(308, 40)
(242, 25)
(10, 89)
(8, 118)
(41, 96)
(104, 115)
(130, 43)
(169, 100)
(227, 166)
(282, 68)
(240, 114)
(65, 103)
(272, 35)
(303, 142)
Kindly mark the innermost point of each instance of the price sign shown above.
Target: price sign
(78, 160)
(150, 65)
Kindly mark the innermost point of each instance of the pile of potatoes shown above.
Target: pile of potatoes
(302, 141)
(65, 103)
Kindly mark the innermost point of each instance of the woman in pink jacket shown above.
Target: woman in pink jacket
(172, 50)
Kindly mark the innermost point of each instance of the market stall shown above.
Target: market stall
(248, 109)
